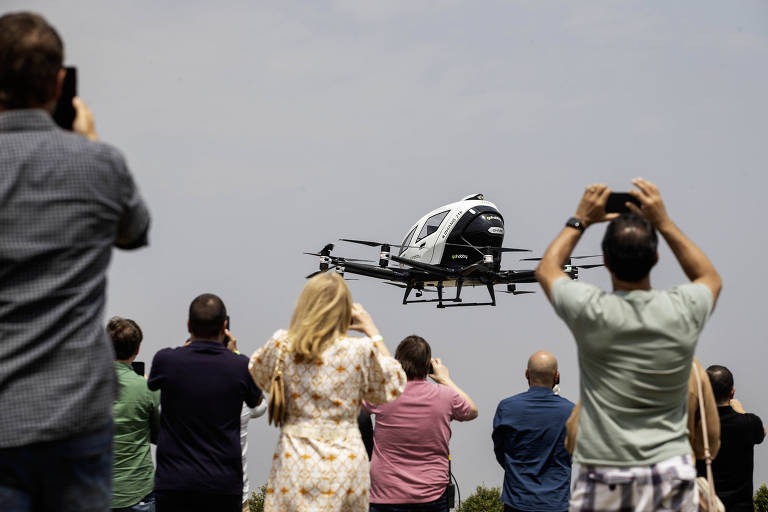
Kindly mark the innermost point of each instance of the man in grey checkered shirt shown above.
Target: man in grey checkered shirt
(65, 200)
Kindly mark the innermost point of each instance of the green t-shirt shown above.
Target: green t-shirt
(635, 353)
(136, 418)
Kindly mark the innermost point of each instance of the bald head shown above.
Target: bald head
(542, 369)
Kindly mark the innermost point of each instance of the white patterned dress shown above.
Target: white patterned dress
(320, 463)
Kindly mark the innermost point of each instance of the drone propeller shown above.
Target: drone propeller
(489, 248)
(372, 244)
(590, 266)
(313, 274)
(572, 257)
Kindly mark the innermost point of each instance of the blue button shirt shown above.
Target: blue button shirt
(529, 442)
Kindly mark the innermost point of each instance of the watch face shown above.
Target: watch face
(573, 222)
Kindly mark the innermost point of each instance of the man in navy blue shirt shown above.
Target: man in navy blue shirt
(529, 441)
(203, 386)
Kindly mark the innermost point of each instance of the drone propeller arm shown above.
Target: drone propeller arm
(550, 268)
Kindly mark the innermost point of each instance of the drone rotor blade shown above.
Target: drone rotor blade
(489, 248)
(590, 266)
(370, 243)
(313, 274)
(522, 292)
(572, 257)
(509, 249)
(357, 260)
(399, 285)
(361, 242)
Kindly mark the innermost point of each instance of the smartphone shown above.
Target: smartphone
(139, 367)
(64, 113)
(617, 202)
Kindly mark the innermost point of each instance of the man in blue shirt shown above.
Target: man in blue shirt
(529, 441)
(203, 386)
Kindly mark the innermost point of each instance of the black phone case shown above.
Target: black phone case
(64, 113)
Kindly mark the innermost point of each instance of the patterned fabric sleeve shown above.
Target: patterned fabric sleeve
(262, 364)
(383, 377)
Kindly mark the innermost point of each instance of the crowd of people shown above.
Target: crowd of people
(78, 417)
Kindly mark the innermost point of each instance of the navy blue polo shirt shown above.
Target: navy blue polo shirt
(202, 389)
(529, 442)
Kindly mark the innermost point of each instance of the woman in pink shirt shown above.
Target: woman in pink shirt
(409, 467)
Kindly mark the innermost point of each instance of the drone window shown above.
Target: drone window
(407, 240)
(432, 224)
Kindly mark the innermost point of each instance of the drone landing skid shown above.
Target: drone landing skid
(454, 302)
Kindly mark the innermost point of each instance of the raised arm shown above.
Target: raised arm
(441, 375)
(694, 262)
(591, 210)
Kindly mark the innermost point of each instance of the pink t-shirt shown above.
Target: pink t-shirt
(410, 452)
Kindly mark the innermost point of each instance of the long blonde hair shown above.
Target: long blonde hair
(323, 313)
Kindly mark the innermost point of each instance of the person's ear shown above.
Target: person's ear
(58, 86)
(557, 377)
(605, 262)
(189, 327)
(137, 350)
(527, 376)
(655, 259)
(733, 392)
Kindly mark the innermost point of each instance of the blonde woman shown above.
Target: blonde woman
(318, 376)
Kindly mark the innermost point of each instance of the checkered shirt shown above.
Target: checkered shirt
(64, 201)
(669, 485)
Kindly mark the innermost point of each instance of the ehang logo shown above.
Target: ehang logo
(459, 256)
(492, 217)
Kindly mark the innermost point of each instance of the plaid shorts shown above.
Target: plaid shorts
(667, 485)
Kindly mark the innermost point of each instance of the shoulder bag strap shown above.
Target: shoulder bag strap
(707, 454)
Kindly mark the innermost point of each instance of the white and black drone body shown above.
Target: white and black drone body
(456, 245)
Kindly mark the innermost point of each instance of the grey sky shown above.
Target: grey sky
(260, 130)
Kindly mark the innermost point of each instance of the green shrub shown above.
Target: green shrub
(761, 499)
(484, 500)
(256, 501)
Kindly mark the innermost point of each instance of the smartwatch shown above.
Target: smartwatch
(575, 223)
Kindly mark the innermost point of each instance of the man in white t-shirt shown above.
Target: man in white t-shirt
(635, 349)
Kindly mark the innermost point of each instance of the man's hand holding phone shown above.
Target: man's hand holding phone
(83, 124)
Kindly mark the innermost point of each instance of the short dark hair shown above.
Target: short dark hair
(126, 336)
(721, 379)
(414, 354)
(207, 315)
(31, 55)
(629, 247)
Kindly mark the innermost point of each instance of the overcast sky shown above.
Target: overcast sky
(259, 130)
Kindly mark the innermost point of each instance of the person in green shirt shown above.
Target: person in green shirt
(635, 349)
(137, 418)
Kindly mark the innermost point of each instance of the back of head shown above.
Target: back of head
(629, 247)
(126, 336)
(207, 315)
(31, 55)
(323, 312)
(414, 355)
(542, 369)
(721, 379)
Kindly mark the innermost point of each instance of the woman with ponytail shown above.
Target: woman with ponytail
(317, 377)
